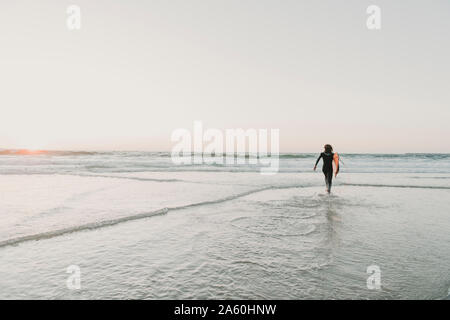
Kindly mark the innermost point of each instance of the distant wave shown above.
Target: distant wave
(26, 152)
(88, 175)
(431, 156)
(425, 177)
(393, 186)
(132, 178)
(297, 155)
(107, 223)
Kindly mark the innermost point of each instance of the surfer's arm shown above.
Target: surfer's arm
(318, 159)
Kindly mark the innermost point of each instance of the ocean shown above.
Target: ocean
(138, 226)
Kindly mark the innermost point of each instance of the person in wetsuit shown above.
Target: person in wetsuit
(327, 168)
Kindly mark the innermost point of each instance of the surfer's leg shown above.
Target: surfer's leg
(330, 180)
(328, 176)
(325, 173)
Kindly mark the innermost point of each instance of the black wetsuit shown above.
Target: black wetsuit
(327, 168)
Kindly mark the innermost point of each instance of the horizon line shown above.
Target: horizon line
(169, 151)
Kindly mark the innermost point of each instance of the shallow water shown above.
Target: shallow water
(230, 233)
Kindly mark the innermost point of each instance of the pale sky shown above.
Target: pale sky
(137, 70)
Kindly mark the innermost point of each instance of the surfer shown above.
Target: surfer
(328, 157)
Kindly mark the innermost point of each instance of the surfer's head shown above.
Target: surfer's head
(328, 148)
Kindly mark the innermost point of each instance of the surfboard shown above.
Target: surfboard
(335, 163)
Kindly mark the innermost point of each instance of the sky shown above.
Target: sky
(138, 70)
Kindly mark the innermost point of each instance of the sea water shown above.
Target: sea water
(139, 227)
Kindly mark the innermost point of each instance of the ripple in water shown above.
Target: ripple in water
(274, 226)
